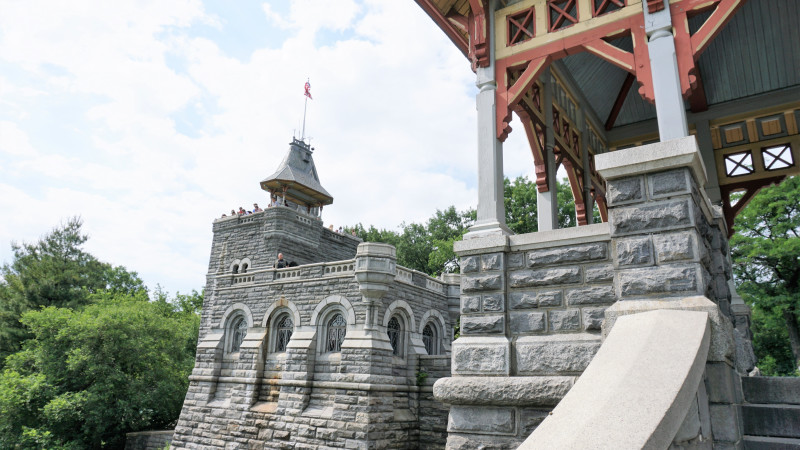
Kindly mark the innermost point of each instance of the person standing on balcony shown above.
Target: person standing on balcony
(280, 263)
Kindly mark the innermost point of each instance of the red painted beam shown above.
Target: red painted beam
(697, 99)
(623, 93)
(442, 22)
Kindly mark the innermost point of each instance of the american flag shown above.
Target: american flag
(308, 90)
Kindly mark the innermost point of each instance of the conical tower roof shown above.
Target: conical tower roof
(297, 175)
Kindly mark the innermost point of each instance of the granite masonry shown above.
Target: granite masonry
(339, 349)
(345, 349)
(536, 308)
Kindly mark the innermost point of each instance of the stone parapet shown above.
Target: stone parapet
(670, 251)
(531, 310)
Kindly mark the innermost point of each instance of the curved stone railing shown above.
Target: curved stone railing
(638, 388)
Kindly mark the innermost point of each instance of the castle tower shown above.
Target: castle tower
(338, 350)
(296, 182)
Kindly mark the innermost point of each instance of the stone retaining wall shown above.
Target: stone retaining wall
(148, 440)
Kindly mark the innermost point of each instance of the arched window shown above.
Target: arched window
(285, 330)
(430, 339)
(238, 331)
(337, 327)
(244, 267)
(395, 332)
(235, 268)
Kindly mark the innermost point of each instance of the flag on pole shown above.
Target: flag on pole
(308, 90)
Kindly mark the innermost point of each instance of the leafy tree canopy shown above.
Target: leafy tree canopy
(55, 271)
(428, 247)
(89, 375)
(766, 255)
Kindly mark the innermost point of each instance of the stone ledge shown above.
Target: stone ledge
(598, 232)
(479, 245)
(517, 391)
(661, 156)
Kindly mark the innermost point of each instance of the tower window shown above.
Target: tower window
(337, 328)
(395, 332)
(238, 331)
(285, 330)
(430, 340)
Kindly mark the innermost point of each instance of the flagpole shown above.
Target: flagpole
(303, 135)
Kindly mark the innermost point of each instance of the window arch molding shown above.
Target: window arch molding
(235, 322)
(245, 265)
(324, 313)
(278, 304)
(400, 310)
(439, 324)
(348, 311)
(403, 308)
(234, 308)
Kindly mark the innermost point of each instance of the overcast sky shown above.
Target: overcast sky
(149, 119)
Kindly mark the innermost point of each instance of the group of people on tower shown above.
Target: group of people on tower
(242, 212)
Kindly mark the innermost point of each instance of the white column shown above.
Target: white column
(547, 202)
(491, 210)
(666, 79)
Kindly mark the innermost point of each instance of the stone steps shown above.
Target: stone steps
(772, 390)
(771, 420)
(771, 413)
(770, 443)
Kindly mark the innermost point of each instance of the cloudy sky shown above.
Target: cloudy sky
(149, 119)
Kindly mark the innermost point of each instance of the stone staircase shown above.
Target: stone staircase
(771, 413)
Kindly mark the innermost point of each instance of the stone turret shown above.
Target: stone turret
(296, 182)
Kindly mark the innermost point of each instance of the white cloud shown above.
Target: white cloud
(14, 141)
(392, 120)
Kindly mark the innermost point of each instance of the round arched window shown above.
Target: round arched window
(238, 332)
(337, 327)
(285, 330)
(395, 333)
(430, 340)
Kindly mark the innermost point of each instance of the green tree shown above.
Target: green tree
(55, 271)
(90, 375)
(428, 247)
(520, 202)
(766, 255)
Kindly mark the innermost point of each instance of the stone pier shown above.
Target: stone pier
(535, 308)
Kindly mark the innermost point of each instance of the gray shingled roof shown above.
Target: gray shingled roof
(298, 173)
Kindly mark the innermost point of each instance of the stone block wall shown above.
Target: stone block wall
(534, 308)
(148, 440)
(363, 396)
(531, 313)
(671, 251)
(261, 236)
(432, 413)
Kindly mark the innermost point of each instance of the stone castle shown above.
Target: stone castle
(347, 350)
(340, 350)
(623, 334)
